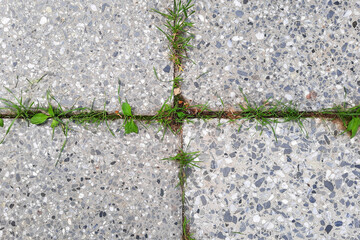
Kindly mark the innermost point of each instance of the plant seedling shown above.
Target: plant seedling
(353, 126)
(129, 124)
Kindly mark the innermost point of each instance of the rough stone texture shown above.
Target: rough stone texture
(301, 51)
(85, 48)
(104, 187)
(296, 188)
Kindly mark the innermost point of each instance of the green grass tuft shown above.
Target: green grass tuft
(185, 160)
(176, 30)
(269, 114)
(22, 110)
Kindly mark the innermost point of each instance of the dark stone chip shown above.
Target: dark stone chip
(328, 228)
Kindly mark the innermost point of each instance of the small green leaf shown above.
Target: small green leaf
(353, 126)
(39, 118)
(51, 111)
(181, 115)
(167, 107)
(1, 122)
(126, 108)
(130, 127)
(54, 123)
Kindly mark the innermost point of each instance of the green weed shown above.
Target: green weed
(62, 118)
(21, 109)
(185, 160)
(32, 83)
(129, 124)
(350, 117)
(269, 114)
(173, 117)
(177, 26)
(186, 231)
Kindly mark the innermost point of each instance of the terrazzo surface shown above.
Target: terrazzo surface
(103, 188)
(301, 51)
(249, 186)
(85, 48)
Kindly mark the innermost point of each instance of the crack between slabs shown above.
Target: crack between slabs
(193, 115)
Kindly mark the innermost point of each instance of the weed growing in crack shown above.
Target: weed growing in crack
(350, 117)
(94, 117)
(129, 124)
(177, 34)
(186, 230)
(185, 160)
(62, 118)
(21, 109)
(269, 114)
(173, 117)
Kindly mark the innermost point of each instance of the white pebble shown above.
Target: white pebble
(271, 197)
(260, 36)
(328, 173)
(288, 97)
(236, 38)
(93, 7)
(280, 173)
(5, 20)
(237, 3)
(256, 218)
(247, 183)
(270, 226)
(81, 195)
(43, 20)
(201, 18)
(347, 14)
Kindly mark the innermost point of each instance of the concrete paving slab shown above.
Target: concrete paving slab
(251, 187)
(301, 51)
(85, 48)
(105, 187)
